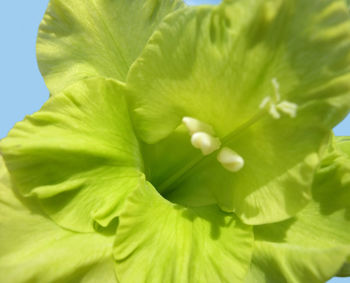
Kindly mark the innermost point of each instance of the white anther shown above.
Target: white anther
(289, 108)
(230, 160)
(193, 125)
(205, 142)
(273, 111)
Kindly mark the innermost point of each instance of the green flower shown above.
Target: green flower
(182, 144)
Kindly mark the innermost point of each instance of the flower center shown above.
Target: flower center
(203, 137)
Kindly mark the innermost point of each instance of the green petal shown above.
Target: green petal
(343, 144)
(34, 249)
(313, 246)
(217, 64)
(286, 263)
(158, 241)
(78, 155)
(275, 182)
(345, 270)
(81, 39)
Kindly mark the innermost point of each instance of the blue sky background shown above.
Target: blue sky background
(22, 88)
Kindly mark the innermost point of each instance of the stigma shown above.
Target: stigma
(275, 106)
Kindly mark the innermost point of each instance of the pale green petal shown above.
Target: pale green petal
(78, 155)
(104, 272)
(158, 241)
(217, 64)
(313, 246)
(87, 38)
(343, 144)
(34, 249)
(284, 263)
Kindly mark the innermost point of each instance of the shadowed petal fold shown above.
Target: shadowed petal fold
(314, 245)
(78, 155)
(34, 249)
(158, 241)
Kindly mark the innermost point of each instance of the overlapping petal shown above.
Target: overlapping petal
(314, 245)
(343, 144)
(268, 78)
(89, 38)
(78, 155)
(34, 249)
(218, 64)
(158, 241)
(345, 270)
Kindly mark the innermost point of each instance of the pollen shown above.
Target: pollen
(230, 159)
(205, 142)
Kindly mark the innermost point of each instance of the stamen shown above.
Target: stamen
(193, 125)
(264, 102)
(205, 142)
(289, 108)
(276, 86)
(230, 160)
(273, 111)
